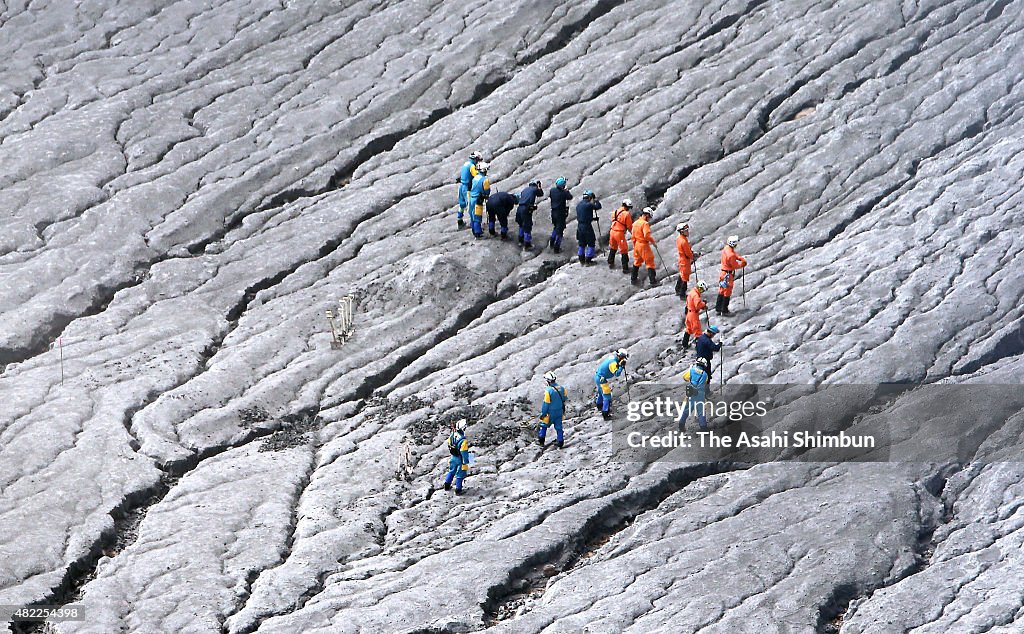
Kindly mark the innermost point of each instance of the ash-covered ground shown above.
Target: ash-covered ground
(187, 186)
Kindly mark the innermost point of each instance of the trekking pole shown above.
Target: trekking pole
(658, 251)
(743, 281)
(628, 395)
(721, 364)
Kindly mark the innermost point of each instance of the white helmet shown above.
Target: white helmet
(649, 211)
(682, 226)
(621, 353)
(476, 156)
(460, 425)
(733, 240)
(702, 286)
(627, 203)
(483, 167)
(550, 378)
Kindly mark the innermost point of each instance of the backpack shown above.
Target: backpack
(453, 444)
(691, 389)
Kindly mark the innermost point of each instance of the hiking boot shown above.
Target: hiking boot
(462, 223)
(718, 304)
(625, 263)
(583, 260)
(559, 444)
(458, 491)
(686, 341)
(527, 246)
(606, 415)
(447, 486)
(589, 261)
(725, 307)
(504, 236)
(611, 259)
(634, 278)
(520, 239)
(652, 277)
(540, 441)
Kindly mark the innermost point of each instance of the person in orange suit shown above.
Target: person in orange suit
(642, 252)
(731, 265)
(694, 304)
(622, 221)
(686, 258)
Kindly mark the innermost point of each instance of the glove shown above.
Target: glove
(458, 180)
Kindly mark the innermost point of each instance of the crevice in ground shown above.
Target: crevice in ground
(870, 204)
(569, 30)
(253, 576)
(844, 598)
(127, 516)
(130, 513)
(41, 339)
(833, 612)
(1009, 345)
(528, 580)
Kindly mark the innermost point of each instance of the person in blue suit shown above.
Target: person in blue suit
(465, 181)
(585, 236)
(478, 195)
(499, 206)
(524, 214)
(612, 366)
(696, 380)
(707, 347)
(552, 410)
(458, 464)
(559, 197)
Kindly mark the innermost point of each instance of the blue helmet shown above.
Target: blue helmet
(560, 182)
(713, 330)
(588, 194)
